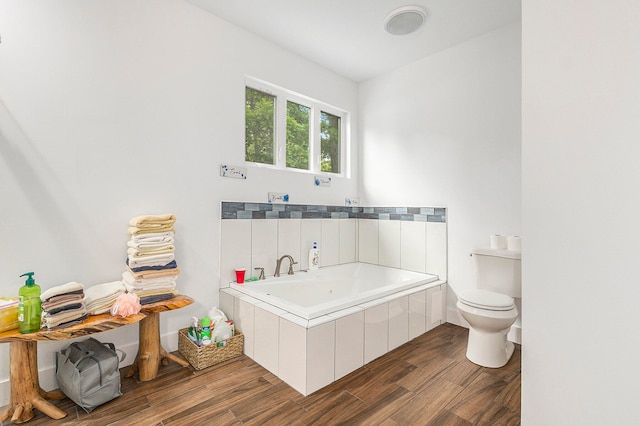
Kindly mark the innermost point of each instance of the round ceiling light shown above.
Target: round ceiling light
(405, 20)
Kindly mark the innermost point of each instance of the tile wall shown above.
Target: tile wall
(255, 235)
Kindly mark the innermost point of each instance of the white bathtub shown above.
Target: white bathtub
(312, 294)
(312, 328)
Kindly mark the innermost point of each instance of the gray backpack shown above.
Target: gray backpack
(88, 373)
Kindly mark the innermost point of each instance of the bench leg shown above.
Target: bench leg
(150, 352)
(26, 394)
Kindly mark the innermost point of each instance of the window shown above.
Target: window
(286, 130)
(330, 142)
(298, 135)
(260, 113)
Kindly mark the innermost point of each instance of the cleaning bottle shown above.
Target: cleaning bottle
(205, 323)
(194, 330)
(29, 305)
(314, 257)
(222, 332)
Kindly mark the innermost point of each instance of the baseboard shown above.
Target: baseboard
(454, 317)
(47, 375)
(515, 334)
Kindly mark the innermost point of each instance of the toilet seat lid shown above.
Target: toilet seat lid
(485, 299)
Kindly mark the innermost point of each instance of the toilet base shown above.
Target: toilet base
(491, 350)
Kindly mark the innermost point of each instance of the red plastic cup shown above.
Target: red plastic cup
(240, 275)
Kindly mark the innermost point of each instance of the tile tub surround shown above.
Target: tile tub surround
(257, 234)
(310, 354)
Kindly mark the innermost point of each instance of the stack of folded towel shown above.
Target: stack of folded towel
(99, 299)
(63, 306)
(151, 266)
(150, 289)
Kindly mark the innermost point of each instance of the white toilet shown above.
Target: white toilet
(489, 309)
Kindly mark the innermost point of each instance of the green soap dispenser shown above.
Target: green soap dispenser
(29, 305)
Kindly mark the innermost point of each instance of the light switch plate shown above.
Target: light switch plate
(322, 181)
(351, 201)
(235, 172)
(278, 197)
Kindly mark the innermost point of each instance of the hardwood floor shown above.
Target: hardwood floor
(427, 381)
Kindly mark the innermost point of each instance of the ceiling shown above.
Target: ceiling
(347, 36)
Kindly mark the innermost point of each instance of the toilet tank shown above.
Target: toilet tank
(498, 270)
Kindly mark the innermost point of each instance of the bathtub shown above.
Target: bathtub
(311, 294)
(312, 328)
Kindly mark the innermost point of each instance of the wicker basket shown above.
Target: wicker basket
(205, 356)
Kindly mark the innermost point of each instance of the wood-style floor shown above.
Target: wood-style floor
(427, 381)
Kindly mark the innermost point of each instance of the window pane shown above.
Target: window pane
(260, 116)
(298, 117)
(329, 143)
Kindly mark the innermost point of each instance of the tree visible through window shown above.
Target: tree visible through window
(298, 136)
(260, 118)
(330, 142)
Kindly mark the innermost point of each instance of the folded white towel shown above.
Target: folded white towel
(100, 310)
(144, 245)
(50, 321)
(103, 305)
(69, 287)
(153, 237)
(103, 291)
(162, 282)
(155, 260)
(105, 301)
(138, 253)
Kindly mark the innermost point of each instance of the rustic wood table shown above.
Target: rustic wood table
(150, 352)
(26, 393)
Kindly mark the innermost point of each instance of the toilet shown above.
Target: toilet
(489, 308)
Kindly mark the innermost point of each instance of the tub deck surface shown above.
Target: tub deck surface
(311, 294)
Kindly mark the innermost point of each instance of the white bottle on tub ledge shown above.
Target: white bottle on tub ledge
(314, 257)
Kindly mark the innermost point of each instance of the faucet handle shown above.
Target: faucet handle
(291, 267)
(261, 275)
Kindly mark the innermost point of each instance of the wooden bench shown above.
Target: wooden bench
(26, 393)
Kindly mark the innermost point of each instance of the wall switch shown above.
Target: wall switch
(235, 172)
(351, 201)
(278, 197)
(322, 181)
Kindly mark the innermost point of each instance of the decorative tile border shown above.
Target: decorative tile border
(241, 210)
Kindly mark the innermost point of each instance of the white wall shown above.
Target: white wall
(445, 131)
(114, 108)
(581, 174)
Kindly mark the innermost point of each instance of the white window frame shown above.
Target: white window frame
(316, 107)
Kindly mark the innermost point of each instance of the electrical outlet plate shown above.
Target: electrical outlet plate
(322, 181)
(351, 201)
(278, 197)
(235, 172)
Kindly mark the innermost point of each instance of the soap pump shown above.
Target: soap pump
(29, 305)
